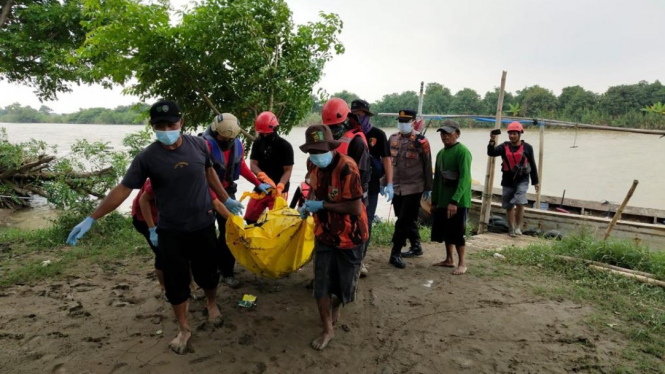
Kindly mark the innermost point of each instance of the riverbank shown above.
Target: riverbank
(97, 308)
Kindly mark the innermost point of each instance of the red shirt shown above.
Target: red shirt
(136, 209)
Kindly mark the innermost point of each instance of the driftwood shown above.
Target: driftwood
(608, 266)
(28, 179)
(640, 276)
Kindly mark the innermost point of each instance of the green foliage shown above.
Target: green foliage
(37, 42)
(382, 233)
(466, 101)
(346, 96)
(514, 109)
(536, 101)
(246, 56)
(121, 115)
(491, 98)
(393, 103)
(655, 108)
(437, 99)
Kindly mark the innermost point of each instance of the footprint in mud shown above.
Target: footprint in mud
(247, 339)
(57, 334)
(76, 310)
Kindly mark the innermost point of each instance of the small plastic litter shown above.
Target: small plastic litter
(46, 263)
(159, 332)
(429, 283)
(247, 301)
(499, 256)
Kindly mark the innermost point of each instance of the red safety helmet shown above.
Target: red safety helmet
(335, 111)
(516, 126)
(265, 123)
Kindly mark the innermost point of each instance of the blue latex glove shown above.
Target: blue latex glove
(153, 236)
(427, 195)
(263, 187)
(382, 190)
(313, 206)
(80, 230)
(389, 191)
(303, 212)
(234, 206)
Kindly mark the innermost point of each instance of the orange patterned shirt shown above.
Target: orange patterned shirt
(337, 183)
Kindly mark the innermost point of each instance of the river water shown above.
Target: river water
(602, 166)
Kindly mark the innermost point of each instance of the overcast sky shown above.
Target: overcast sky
(392, 45)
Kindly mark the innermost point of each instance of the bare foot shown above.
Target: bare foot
(445, 264)
(460, 270)
(322, 341)
(215, 316)
(180, 344)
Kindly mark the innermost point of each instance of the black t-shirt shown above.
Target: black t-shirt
(178, 179)
(272, 157)
(378, 148)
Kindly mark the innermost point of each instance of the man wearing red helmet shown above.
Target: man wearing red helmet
(337, 115)
(518, 164)
(271, 160)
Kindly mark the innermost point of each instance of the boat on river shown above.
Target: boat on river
(564, 215)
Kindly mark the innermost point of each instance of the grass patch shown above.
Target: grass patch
(382, 233)
(113, 238)
(634, 309)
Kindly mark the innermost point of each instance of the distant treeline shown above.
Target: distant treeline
(122, 115)
(634, 105)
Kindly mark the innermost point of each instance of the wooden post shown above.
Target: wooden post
(617, 215)
(484, 220)
(540, 163)
(420, 100)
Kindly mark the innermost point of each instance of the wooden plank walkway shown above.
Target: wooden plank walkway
(496, 242)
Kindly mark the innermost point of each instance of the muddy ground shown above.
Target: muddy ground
(418, 320)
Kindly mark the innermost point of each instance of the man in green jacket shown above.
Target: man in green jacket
(451, 195)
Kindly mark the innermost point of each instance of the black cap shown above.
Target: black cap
(449, 126)
(407, 115)
(361, 105)
(165, 111)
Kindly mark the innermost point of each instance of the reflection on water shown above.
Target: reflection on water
(601, 167)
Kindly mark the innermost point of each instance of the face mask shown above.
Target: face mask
(321, 160)
(364, 121)
(404, 127)
(337, 131)
(226, 145)
(270, 137)
(167, 137)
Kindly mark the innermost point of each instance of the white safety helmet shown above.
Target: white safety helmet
(226, 125)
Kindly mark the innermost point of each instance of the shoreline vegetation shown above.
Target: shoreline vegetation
(630, 106)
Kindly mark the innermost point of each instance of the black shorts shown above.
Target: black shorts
(336, 271)
(180, 250)
(452, 230)
(143, 229)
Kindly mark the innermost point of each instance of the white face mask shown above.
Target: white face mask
(404, 127)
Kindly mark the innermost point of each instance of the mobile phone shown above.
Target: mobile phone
(496, 132)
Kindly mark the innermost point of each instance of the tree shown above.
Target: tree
(37, 41)
(240, 56)
(346, 96)
(437, 99)
(393, 103)
(491, 99)
(574, 101)
(536, 100)
(466, 101)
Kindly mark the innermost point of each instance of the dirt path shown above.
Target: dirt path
(418, 320)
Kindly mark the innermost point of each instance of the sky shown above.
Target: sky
(391, 46)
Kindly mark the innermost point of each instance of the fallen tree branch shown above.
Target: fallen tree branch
(608, 266)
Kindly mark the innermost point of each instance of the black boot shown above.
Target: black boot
(415, 251)
(396, 258)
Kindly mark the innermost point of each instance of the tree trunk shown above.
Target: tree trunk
(5, 12)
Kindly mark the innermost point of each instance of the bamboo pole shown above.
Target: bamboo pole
(540, 164)
(420, 100)
(639, 278)
(608, 266)
(489, 176)
(617, 215)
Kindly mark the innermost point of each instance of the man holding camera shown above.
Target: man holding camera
(518, 164)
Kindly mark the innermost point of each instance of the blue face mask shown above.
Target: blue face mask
(321, 160)
(167, 137)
